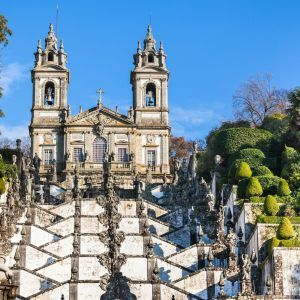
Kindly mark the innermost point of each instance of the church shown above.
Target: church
(136, 142)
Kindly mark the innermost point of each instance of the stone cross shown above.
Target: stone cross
(100, 92)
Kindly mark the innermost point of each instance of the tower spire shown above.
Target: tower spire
(149, 42)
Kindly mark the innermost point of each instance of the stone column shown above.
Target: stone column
(278, 279)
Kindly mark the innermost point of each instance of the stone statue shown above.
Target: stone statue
(49, 95)
(36, 162)
(218, 160)
(14, 159)
(246, 287)
(86, 156)
(6, 274)
(68, 155)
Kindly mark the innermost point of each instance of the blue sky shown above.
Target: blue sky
(212, 47)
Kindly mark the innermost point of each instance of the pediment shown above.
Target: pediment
(99, 117)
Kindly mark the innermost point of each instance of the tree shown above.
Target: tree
(283, 188)
(179, 147)
(257, 98)
(285, 230)
(4, 33)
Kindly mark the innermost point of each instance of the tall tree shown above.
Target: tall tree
(179, 147)
(257, 98)
(5, 32)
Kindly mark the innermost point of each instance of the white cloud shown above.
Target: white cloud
(14, 132)
(12, 74)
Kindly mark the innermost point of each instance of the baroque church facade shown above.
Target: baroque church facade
(137, 142)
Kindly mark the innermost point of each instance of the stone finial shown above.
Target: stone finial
(155, 273)
(222, 285)
(253, 256)
(269, 286)
(149, 42)
(210, 258)
(200, 233)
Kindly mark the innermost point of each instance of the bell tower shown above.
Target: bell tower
(50, 79)
(149, 81)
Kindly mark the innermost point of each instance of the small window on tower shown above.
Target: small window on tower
(49, 93)
(150, 95)
(150, 58)
(50, 56)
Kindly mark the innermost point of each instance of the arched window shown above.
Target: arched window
(99, 149)
(50, 56)
(150, 95)
(49, 93)
(150, 58)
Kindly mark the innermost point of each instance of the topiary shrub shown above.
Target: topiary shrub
(257, 199)
(289, 243)
(283, 188)
(253, 156)
(242, 186)
(269, 184)
(285, 230)
(262, 171)
(289, 155)
(271, 206)
(253, 188)
(291, 172)
(228, 141)
(273, 242)
(2, 185)
(243, 171)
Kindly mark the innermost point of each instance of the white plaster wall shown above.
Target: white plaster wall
(135, 268)
(90, 207)
(66, 210)
(163, 248)
(40, 237)
(157, 227)
(55, 293)
(90, 268)
(91, 225)
(64, 227)
(187, 258)
(62, 247)
(130, 225)
(89, 291)
(132, 245)
(91, 245)
(59, 271)
(142, 291)
(159, 211)
(168, 272)
(167, 292)
(127, 208)
(36, 258)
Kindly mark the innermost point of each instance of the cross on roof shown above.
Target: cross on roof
(100, 92)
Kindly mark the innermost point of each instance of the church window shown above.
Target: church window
(150, 58)
(122, 155)
(48, 157)
(99, 149)
(50, 56)
(151, 159)
(77, 155)
(49, 93)
(150, 95)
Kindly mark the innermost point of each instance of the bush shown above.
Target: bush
(273, 242)
(256, 156)
(269, 184)
(243, 171)
(289, 155)
(291, 172)
(228, 141)
(262, 171)
(275, 220)
(285, 230)
(289, 243)
(257, 199)
(253, 188)
(283, 188)
(2, 185)
(242, 186)
(271, 206)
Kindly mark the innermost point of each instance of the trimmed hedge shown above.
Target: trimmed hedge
(273, 242)
(2, 185)
(285, 230)
(253, 188)
(275, 220)
(228, 141)
(243, 171)
(248, 154)
(269, 184)
(289, 243)
(271, 206)
(262, 171)
(289, 155)
(283, 188)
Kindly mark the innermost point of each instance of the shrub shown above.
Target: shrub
(289, 243)
(262, 171)
(2, 185)
(285, 230)
(289, 155)
(269, 184)
(273, 242)
(253, 155)
(271, 206)
(257, 199)
(228, 141)
(291, 172)
(242, 186)
(275, 220)
(283, 188)
(243, 171)
(253, 188)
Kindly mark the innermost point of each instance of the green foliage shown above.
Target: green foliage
(250, 154)
(291, 172)
(262, 171)
(257, 199)
(228, 141)
(283, 188)
(271, 206)
(242, 186)
(289, 155)
(275, 219)
(285, 229)
(277, 124)
(2, 185)
(289, 243)
(273, 242)
(7, 154)
(243, 171)
(269, 184)
(7, 170)
(254, 188)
